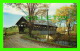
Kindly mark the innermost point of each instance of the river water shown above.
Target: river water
(72, 43)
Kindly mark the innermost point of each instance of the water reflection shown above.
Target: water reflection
(72, 43)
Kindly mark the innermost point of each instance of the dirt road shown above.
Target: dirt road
(14, 41)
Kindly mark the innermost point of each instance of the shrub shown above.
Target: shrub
(10, 30)
(35, 32)
(26, 30)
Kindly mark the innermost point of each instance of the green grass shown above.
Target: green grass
(28, 37)
(45, 42)
(10, 30)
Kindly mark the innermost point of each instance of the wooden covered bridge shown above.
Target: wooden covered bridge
(23, 23)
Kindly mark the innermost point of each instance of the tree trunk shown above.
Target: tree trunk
(30, 31)
(69, 33)
(30, 26)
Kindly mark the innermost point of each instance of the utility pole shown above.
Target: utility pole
(47, 25)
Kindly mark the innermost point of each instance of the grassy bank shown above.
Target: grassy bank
(10, 30)
(26, 37)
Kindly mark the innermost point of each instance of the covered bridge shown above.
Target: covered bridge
(23, 23)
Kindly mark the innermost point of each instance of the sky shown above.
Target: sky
(12, 15)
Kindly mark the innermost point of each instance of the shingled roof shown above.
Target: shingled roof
(21, 19)
(36, 22)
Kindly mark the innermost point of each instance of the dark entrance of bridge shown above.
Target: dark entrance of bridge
(22, 23)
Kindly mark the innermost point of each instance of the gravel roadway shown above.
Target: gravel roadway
(14, 41)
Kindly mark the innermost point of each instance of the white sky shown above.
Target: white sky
(9, 9)
(52, 8)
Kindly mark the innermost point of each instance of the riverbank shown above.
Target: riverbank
(26, 37)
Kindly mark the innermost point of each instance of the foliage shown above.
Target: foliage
(74, 28)
(35, 32)
(11, 30)
(42, 36)
(68, 13)
(26, 30)
(61, 29)
(65, 38)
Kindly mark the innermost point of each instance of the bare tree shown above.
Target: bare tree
(33, 9)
